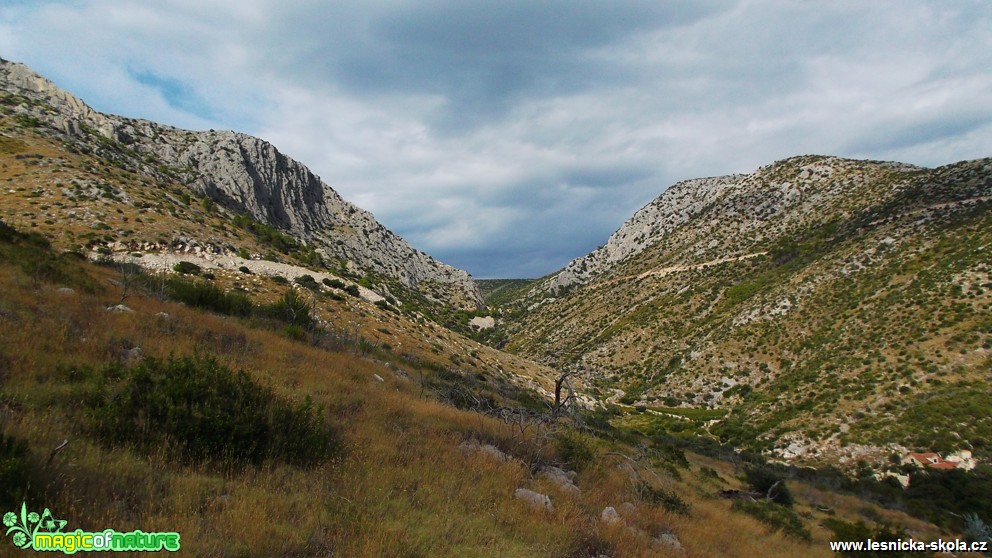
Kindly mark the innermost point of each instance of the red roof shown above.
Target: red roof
(932, 460)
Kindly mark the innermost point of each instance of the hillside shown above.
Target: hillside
(831, 310)
(140, 165)
(252, 431)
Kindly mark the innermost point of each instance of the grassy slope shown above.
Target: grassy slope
(80, 201)
(400, 485)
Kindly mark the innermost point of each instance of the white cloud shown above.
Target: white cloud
(508, 138)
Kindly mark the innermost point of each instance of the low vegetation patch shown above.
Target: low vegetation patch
(14, 478)
(206, 296)
(32, 253)
(208, 412)
(778, 517)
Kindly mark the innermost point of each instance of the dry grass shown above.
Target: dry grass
(401, 485)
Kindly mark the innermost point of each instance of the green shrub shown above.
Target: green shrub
(294, 332)
(208, 413)
(308, 282)
(200, 294)
(845, 531)
(14, 471)
(976, 530)
(187, 268)
(574, 449)
(670, 500)
(33, 254)
(292, 309)
(769, 483)
(267, 234)
(385, 306)
(334, 283)
(943, 497)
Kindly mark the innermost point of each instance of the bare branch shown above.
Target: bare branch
(55, 451)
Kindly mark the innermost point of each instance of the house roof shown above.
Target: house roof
(932, 460)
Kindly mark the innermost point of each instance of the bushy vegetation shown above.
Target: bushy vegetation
(14, 471)
(32, 253)
(307, 281)
(207, 412)
(667, 498)
(187, 268)
(207, 296)
(944, 497)
(292, 309)
(860, 531)
(976, 530)
(769, 483)
(575, 449)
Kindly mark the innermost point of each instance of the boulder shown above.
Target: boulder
(120, 309)
(610, 515)
(535, 500)
(671, 541)
(562, 478)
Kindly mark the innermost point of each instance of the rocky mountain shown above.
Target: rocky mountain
(240, 174)
(819, 309)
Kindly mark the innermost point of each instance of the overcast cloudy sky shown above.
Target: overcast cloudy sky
(507, 137)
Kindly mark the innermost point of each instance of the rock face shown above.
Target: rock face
(667, 212)
(241, 173)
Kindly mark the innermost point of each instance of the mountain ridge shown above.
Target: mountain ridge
(243, 174)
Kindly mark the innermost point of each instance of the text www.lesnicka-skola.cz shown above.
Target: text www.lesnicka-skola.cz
(910, 545)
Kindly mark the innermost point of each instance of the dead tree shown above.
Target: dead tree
(560, 403)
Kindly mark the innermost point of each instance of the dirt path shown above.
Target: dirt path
(164, 261)
(677, 268)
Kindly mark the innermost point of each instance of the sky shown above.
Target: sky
(507, 137)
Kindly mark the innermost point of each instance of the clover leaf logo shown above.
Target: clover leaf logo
(28, 524)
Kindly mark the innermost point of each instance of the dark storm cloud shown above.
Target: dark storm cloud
(482, 59)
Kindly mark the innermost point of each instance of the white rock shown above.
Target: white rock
(120, 308)
(535, 500)
(610, 515)
(564, 479)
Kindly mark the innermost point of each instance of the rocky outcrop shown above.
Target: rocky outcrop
(244, 174)
(648, 225)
